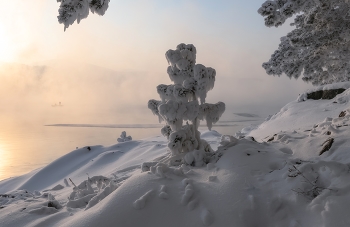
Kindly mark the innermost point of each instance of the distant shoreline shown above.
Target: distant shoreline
(131, 125)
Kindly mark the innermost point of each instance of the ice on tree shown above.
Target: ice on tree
(192, 111)
(190, 84)
(184, 57)
(211, 113)
(172, 112)
(184, 140)
(76, 10)
(166, 131)
(153, 106)
(185, 101)
(180, 93)
(205, 78)
(99, 6)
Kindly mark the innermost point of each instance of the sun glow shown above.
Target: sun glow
(5, 51)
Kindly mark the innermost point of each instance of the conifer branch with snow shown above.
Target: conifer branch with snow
(76, 10)
(319, 45)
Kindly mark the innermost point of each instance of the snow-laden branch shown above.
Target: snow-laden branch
(76, 10)
(318, 47)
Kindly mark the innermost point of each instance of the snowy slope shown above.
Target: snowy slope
(291, 180)
(303, 115)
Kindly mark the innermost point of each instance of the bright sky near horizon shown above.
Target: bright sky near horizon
(132, 39)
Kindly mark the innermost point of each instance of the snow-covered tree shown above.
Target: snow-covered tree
(318, 47)
(76, 10)
(185, 101)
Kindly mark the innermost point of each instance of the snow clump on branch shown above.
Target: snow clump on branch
(185, 101)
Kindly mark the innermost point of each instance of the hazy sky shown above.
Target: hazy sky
(105, 69)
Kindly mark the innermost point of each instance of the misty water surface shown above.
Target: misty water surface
(26, 146)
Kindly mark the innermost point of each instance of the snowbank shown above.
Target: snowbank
(302, 115)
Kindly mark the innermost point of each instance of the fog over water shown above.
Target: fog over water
(85, 93)
(104, 70)
(90, 105)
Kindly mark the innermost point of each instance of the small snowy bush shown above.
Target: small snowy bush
(184, 100)
(124, 138)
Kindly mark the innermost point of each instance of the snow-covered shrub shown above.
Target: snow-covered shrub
(90, 192)
(124, 138)
(185, 101)
(318, 47)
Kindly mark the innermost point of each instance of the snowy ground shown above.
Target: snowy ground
(285, 176)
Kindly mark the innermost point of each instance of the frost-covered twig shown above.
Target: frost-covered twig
(315, 189)
(72, 182)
